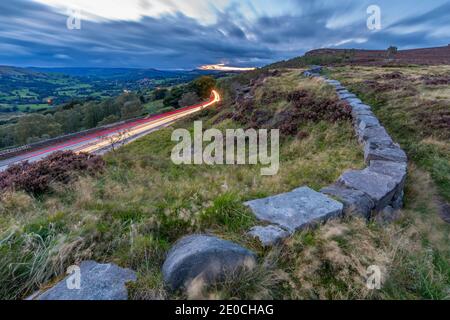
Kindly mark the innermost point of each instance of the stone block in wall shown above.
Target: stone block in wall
(379, 187)
(384, 153)
(375, 136)
(355, 202)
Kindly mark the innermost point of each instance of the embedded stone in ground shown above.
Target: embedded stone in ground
(298, 209)
(379, 187)
(269, 235)
(385, 153)
(355, 202)
(316, 69)
(204, 258)
(97, 282)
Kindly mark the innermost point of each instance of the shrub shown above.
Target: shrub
(61, 167)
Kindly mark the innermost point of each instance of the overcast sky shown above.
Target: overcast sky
(172, 34)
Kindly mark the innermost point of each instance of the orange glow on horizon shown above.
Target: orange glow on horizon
(223, 67)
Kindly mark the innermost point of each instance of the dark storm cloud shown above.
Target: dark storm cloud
(33, 34)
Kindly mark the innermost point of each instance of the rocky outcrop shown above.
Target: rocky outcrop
(97, 282)
(204, 258)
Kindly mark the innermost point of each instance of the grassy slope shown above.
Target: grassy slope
(144, 203)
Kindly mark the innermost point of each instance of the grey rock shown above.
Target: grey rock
(396, 170)
(316, 69)
(205, 257)
(358, 112)
(298, 209)
(333, 82)
(346, 95)
(98, 282)
(269, 235)
(379, 187)
(355, 202)
(340, 88)
(360, 107)
(352, 101)
(364, 121)
(397, 202)
(375, 136)
(355, 103)
(385, 153)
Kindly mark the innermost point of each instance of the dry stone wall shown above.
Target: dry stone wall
(377, 188)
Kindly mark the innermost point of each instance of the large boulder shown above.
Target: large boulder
(206, 258)
(379, 187)
(355, 202)
(295, 210)
(268, 235)
(97, 282)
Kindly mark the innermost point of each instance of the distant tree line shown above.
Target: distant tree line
(75, 116)
(69, 118)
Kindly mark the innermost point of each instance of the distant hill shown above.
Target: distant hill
(121, 73)
(421, 56)
(36, 89)
(16, 71)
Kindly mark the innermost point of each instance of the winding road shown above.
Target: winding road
(104, 140)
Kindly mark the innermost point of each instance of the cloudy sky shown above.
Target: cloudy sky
(172, 34)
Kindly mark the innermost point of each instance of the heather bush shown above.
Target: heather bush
(60, 167)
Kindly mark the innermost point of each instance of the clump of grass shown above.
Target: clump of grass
(227, 210)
